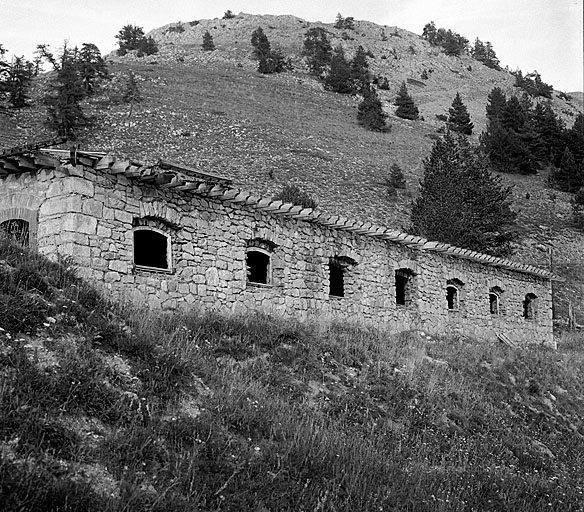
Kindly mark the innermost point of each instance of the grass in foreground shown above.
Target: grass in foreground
(103, 410)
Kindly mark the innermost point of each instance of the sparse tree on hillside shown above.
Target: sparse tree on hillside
(317, 50)
(270, 61)
(64, 111)
(132, 94)
(458, 117)
(406, 107)
(208, 43)
(345, 23)
(360, 69)
(91, 66)
(228, 15)
(370, 113)
(485, 54)
(461, 202)
(260, 43)
(131, 37)
(16, 80)
(338, 79)
(569, 176)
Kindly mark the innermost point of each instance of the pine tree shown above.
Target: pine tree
(132, 37)
(461, 202)
(497, 101)
(360, 69)
(370, 114)
(132, 94)
(406, 108)
(338, 79)
(458, 117)
(64, 112)
(17, 82)
(260, 43)
(318, 51)
(208, 43)
(569, 176)
(91, 66)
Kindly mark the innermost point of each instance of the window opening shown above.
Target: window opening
(336, 279)
(452, 297)
(17, 230)
(453, 292)
(529, 306)
(404, 281)
(258, 266)
(151, 249)
(495, 300)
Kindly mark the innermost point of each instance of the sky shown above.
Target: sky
(542, 35)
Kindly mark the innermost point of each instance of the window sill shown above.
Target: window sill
(250, 284)
(152, 270)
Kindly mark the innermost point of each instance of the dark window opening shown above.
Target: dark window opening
(493, 303)
(258, 266)
(452, 297)
(17, 230)
(151, 249)
(336, 279)
(529, 306)
(495, 300)
(403, 287)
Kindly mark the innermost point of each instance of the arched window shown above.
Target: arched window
(152, 249)
(258, 261)
(530, 306)
(404, 286)
(495, 295)
(17, 230)
(453, 291)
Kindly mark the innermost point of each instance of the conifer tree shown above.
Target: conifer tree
(260, 43)
(370, 114)
(318, 51)
(91, 66)
(208, 43)
(461, 202)
(338, 79)
(132, 37)
(569, 176)
(458, 117)
(360, 69)
(17, 81)
(406, 108)
(64, 112)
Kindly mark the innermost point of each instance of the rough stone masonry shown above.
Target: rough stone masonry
(165, 241)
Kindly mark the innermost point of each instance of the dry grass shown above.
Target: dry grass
(114, 411)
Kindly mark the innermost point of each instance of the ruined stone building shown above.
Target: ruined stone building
(171, 237)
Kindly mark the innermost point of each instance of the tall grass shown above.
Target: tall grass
(110, 408)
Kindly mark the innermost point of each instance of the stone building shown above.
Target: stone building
(171, 237)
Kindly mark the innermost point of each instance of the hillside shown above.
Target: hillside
(212, 110)
(103, 408)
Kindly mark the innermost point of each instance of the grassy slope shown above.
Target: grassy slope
(107, 409)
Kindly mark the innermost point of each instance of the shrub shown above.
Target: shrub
(228, 15)
(293, 194)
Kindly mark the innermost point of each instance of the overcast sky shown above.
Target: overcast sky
(542, 35)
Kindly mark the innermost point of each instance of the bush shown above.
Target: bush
(293, 194)
(228, 15)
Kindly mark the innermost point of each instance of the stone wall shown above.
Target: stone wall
(92, 216)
